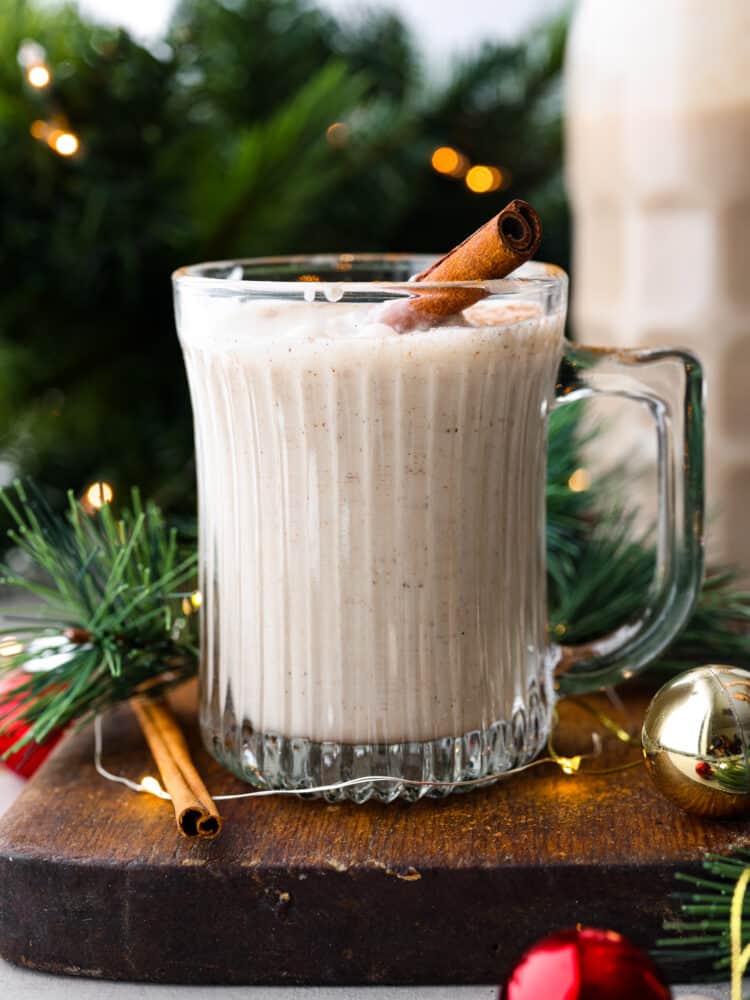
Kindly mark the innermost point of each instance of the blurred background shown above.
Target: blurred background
(138, 137)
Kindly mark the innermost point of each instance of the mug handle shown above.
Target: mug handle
(679, 547)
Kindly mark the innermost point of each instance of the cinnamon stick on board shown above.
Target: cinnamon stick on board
(493, 251)
(194, 809)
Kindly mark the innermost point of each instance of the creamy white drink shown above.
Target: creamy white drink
(658, 147)
(372, 515)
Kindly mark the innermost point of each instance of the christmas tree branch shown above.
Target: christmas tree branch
(111, 614)
(706, 907)
(600, 568)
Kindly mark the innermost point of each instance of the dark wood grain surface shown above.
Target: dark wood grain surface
(96, 882)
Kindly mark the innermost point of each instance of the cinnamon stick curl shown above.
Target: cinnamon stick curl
(195, 810)
(493, 251)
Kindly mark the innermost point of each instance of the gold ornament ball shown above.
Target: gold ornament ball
(696, 739)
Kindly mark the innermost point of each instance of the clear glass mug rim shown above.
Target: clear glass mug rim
(533, 277)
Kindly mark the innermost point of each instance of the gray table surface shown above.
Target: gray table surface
(20, 984)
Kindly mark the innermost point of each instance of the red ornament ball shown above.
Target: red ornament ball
(26, 760)
(585, 964)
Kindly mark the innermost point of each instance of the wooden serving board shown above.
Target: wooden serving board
(95, 881)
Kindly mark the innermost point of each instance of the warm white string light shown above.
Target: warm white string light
(32, 58)
(152, 786)
(479, 178)
(482, 179)
(192, 602)
(39, 76)
(61, 141)
(96, 496)
(66, 144)
(579, 481)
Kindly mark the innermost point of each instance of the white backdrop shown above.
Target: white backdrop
(443, 26)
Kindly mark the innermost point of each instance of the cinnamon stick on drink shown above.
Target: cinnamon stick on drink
(493, 251)
(194, 809)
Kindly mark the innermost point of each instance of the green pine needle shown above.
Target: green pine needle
(703, 929)
(108, 608)
(599, 570)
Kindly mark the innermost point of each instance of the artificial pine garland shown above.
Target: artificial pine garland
(705, 924)
(108, 618)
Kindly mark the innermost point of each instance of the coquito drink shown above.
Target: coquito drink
(373, 529)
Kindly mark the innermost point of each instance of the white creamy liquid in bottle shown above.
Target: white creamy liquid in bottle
(658, 169)
(372, 511)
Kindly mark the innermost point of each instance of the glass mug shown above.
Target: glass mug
(372, 521)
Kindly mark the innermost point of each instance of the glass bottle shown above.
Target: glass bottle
(658, 147)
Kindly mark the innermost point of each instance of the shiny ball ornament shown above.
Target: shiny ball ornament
(696, 741)
(585, 964)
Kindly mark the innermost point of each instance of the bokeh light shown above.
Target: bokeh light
(337, 134)
(38, 76)
(98, 494)
(192, 603)
(579, 481)
(10, 646)
(482, 179)
(447, 160)
(65, 143)
(31, 53)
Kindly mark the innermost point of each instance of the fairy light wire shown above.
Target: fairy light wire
(611, 725)
(154, 789)
(135, 786)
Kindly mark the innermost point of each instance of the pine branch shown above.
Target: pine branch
(600, 570)
(703, 928)
(109, 613)
(275, 170)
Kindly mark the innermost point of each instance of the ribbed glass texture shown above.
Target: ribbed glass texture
(371, 529)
